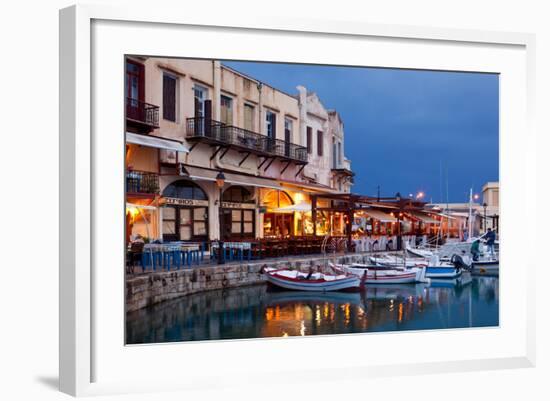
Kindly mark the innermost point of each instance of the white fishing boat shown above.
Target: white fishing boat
(397, 261)
(299, 281)
(373, 274)
(418, 252)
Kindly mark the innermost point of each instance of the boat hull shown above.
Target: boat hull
(442, 272)
(388, 276)
(345, 284)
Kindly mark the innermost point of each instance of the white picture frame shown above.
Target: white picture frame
(91, 362)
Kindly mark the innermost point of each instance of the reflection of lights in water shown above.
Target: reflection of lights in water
(360, 311)
(347, 313)
(302, 328)
(400, 315)
(325, 310)
(277, 312)
(269, 314)
(391, 305)
(318, 315)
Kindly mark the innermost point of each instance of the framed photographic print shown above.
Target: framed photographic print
(299, 197)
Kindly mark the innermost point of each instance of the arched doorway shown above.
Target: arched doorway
(238, 209)
(185, 212)
(278, 224)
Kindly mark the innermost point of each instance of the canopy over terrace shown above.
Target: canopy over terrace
(387, 209)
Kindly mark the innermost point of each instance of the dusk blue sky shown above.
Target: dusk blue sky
(405, 129)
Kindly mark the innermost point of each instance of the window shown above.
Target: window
(288, 135)
(339, 153)
(184, 189)
(135, 90)
(226, 106)
(320, 143)
(334, 154)
(239, 222)
(182, 222)
(248, 117)
(201, 94)
(135, 81)
(169, 84)
(270, 120)
(237, 194)
(309, 138)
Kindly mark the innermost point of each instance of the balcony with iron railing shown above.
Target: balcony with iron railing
(344, 169)
(143, 116)
(215, 132)
(142, 182)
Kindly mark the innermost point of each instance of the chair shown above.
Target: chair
(135, 253)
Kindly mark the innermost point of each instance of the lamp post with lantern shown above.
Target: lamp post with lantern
(220, 182)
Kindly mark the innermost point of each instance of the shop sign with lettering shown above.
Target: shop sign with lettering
(183, 202)
(237, 205)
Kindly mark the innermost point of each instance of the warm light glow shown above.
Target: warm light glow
(476, 196)
(133, 211)
(419, 195)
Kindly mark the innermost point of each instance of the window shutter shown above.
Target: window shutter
(320, 143)
(208, 117)
(274, 125)
(197, 107)
(169, 98)
(309, 140)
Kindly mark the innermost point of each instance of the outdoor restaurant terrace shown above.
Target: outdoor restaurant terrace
(344, 223)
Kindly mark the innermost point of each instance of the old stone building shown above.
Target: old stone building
(188, 120)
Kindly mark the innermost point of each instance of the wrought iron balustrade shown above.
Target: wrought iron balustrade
(141, 112)
(244, 139)
(142, 182)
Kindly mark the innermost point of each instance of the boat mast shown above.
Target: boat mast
(470, 226)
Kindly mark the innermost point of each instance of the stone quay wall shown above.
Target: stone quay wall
(152, 288)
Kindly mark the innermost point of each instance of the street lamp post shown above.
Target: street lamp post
(484, 217)
(220, 182)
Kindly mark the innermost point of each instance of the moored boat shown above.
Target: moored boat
(298, 281)
(419, 253)
(464, 279)
(443, 272)
(384, 275)
(398, 261)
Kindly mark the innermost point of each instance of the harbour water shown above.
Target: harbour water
(258, 311)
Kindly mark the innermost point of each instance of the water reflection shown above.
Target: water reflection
(258, 312)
